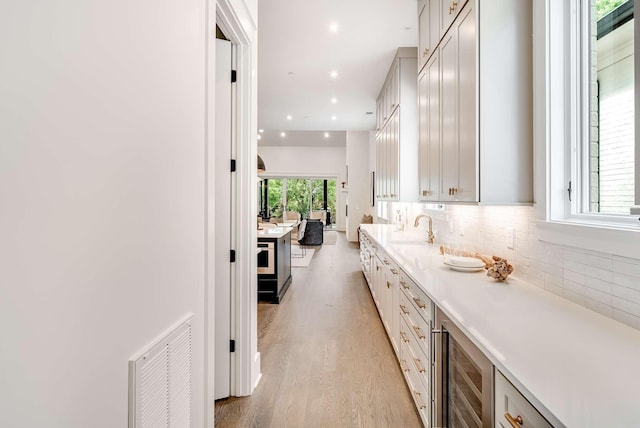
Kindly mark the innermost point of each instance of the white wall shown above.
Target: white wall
(102, 190)
(358, 196)
(308, 161)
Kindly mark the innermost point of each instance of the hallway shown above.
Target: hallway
(326, 359)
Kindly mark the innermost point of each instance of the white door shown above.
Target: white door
(222, 203)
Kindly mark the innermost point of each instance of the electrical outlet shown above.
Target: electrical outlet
(510, 238)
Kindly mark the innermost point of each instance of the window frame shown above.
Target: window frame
(559, 89)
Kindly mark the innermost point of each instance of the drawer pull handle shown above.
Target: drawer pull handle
(419, 402)
(418, 365)
(419, 303)
(404, 285)
(388, 284)
(419, 332)
(394, 271)
(386, 262)
(403, 335)
(515, 422)
(404, 309)
(403, 366)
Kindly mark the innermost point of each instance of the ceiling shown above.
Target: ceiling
(297, 52)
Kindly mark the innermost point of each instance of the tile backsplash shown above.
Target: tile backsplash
(605, 283)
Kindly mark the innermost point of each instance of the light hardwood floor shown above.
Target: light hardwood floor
(326, 359)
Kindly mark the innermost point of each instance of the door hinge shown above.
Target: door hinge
(569, 190)
(232, 345)
(233, 165)
(234, 76)
(232, 256)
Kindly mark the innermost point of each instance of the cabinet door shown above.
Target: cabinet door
(394, 151)
(449, 118)
(449, 10)
(458, 101)
(465, 27)
(429, 123)
(435, 27)
(423, 142)
(433, 126)
(379, 121)
(394, 87)
(379, 166)
(430, 29)
(424, 31)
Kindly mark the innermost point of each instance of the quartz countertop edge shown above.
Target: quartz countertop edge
(280, 234)
(576, 366)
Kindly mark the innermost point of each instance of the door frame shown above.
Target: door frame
(235, 20)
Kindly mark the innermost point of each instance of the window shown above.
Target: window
(306, 196)
(586, 115)
(600, 169)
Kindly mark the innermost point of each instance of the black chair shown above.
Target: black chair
(313, 233)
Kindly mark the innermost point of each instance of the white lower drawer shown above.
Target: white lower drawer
(510, 404)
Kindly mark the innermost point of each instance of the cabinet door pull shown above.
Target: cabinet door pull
(425, 52)
(388, 284)
(403, 366)
(404, 309)
(404, 285)
(386, 262)
(419, 402)
(515, 422)
(419, 303)
(418, 365)
(419, 332)
(403, 335)
(394, 271)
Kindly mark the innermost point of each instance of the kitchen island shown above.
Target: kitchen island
(274, 263)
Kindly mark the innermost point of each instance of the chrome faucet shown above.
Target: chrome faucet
(430, 236)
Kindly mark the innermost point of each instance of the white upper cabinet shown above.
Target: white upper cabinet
(449, 10)
(429, 128)
(475, 102)
(397, 133)
(429, 29)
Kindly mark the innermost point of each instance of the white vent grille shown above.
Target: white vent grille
(160, 382)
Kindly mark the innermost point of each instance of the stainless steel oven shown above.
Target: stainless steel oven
(464, 379)
(266, 258)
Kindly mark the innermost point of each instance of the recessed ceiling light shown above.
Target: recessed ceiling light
(282, 134)
(259, 136)
(289, 117)
(326, 135)
(334, 74)
(261, 130)
(333, 118)
(334, 100)
(333, 27)
(369, 112)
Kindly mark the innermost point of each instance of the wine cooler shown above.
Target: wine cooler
(464, 379)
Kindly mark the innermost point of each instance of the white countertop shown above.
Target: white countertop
(273, 232)
(573, 363)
